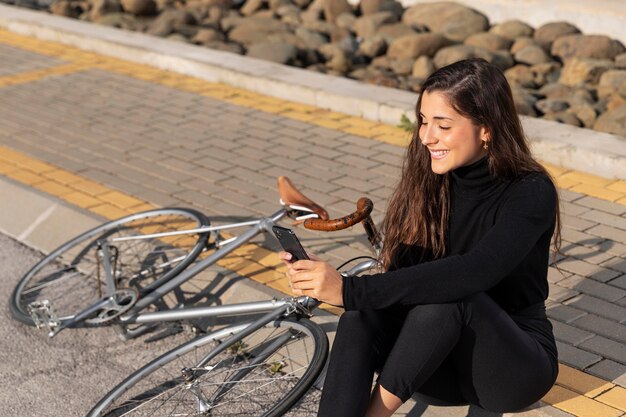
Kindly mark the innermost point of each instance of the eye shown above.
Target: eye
(444, 127)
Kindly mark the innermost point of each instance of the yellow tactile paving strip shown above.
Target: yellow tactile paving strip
(575, 392)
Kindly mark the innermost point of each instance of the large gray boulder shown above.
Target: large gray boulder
(453, 20)
(413, 46)
(586, 46)
(532, 55)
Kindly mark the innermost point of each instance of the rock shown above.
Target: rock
(252, 29)
(551, 105)
(394, 31)
(346, 21)
(413, 46)
(381, 62)
(423, 67)
(168, 20)
(521, 43)
(139, 7)
(101, 7)
(373, 46)
(585, 113)
(620, 61)
(548, 33)
(532, 55)
(402, 66)
(310, 38)
(548, 72)
(615, 102)
(368, 25)
(303, 4)
(502, 59)
(118, 20)
(188, 31)
(264, 14)
(578, 71)
(524, 101)
(564, 117)
(345, 40)
(280, 52)
(521, 75)
(214, 16)
(610, 82)
(453, 20)
(320, 26)
(488, 41)
(285, 37)
(374, 6)
(333, 8)
(64, 8)
(206, 35)
(225, 46)
(276, 4)
(224, 4)
(450, 54)
(512, 30)
(336, 58)
(250, 7)
(586, 46)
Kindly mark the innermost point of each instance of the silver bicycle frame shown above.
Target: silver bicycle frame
(262, 225)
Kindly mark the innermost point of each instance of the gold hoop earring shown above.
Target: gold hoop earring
(485, 146)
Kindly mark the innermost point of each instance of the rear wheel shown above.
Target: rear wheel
(262, 375)
(72, 277)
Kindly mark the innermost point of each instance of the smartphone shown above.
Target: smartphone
(290, 243)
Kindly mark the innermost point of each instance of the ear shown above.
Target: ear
(484, 134)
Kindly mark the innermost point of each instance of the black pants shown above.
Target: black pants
(469, 352)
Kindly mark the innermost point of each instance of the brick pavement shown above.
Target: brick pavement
(116, 137)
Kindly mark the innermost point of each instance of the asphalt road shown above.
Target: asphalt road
(66, 375)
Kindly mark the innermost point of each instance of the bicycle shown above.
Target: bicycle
(275, 358)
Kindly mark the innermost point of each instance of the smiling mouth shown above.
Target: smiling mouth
(438, 154)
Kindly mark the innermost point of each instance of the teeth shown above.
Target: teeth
(439, 153)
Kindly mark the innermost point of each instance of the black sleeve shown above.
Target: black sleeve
(526, 214)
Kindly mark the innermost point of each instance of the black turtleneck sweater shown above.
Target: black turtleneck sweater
(498, 242)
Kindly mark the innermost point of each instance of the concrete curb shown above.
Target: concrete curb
(567, 146)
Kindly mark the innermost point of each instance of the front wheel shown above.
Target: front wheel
(72, 277)
(262, 375)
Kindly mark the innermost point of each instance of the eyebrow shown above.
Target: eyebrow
(437, 117)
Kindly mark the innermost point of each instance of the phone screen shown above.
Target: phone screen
(290, 243)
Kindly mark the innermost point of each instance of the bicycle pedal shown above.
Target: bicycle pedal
(168, 331)
(43, 316)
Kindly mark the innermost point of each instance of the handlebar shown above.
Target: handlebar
(362, 214)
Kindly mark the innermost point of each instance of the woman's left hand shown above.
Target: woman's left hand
(317, 279)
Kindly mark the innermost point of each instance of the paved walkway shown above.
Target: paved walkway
(114, 137)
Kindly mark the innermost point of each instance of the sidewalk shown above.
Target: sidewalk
(113, 137)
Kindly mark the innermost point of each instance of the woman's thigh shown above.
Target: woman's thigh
(499, 366)
(485, 358)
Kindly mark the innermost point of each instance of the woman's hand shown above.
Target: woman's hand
(315, 278)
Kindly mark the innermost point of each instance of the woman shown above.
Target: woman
(458, 316)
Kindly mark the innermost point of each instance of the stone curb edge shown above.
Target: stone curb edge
(563, 145)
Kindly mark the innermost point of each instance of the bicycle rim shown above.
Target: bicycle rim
(71, 277)
(231, 384)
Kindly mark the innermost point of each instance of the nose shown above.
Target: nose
(427, 135)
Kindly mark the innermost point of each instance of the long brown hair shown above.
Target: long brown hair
(419, 208)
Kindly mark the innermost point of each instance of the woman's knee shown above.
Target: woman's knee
(432, 313)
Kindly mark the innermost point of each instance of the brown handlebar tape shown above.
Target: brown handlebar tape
(364, 208)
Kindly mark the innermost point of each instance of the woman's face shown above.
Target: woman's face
(452, 139)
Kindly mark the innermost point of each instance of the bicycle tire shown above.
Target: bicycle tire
(67, 277)
(158, 386)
